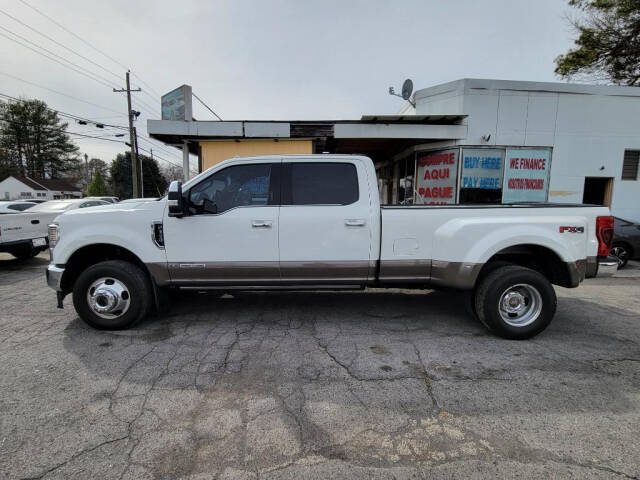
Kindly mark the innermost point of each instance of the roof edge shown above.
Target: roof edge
(463, 85)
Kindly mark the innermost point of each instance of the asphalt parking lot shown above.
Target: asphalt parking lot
(377, 384)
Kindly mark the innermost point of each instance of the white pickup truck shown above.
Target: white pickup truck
(315, 222)
(24, 234)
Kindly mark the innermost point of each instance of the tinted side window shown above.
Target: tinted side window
(19, 206)
(238, 186)
(323, 184)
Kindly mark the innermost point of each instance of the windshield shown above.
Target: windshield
(51, 206)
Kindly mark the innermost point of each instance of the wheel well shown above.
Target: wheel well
(84, 257)
(536, 257)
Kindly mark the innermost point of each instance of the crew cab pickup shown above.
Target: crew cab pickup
(315, 222)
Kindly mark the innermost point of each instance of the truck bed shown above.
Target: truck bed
(429, 244)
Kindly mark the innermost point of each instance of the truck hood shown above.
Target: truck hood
(152, 209)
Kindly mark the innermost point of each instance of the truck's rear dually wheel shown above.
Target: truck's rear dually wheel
(515, 302)
(112, 295)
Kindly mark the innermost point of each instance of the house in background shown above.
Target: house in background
(25, 188)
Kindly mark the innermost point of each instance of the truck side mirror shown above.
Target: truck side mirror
(175, 201)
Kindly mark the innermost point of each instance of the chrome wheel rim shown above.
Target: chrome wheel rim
(109, 298)
(621, 254)
(520, 305)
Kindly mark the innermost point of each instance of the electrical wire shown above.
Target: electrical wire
(60, 129)
(57, 61)
(59, 44)
(74, 34)
(55, 54)
(59, 93)
(92, 46)
(77, 117)
(145, 83)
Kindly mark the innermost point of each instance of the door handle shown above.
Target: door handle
(355, 222)
(261, 223)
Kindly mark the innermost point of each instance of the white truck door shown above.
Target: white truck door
(325, 225)
(230, 236)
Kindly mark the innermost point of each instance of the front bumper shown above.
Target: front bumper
(54, 277)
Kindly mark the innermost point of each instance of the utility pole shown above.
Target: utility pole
(135, 136)
(86, 171)
(132, 139)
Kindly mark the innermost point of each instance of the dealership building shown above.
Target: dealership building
(470, 141)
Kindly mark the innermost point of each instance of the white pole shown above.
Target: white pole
(185, 160)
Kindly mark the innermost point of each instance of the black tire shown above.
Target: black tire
(622, 252)
(137, 285)
(532, 292)
(24, 253)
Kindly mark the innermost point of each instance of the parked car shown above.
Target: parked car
(15, 206)
(25, 234)
(626, 241)
(105, 199)
(134, 200)
(313, 222)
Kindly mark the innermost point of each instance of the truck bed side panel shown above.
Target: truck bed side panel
(449, 246)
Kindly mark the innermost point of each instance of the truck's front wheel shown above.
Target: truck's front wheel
(515, 302)
(112, 295)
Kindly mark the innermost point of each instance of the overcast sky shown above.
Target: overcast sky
(281, 59)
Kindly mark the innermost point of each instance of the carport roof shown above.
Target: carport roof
(375, 127)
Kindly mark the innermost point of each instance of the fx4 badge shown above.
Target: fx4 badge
(571, 229)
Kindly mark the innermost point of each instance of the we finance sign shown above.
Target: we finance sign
(436, 177)
(526, 175)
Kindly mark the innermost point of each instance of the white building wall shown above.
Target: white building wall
(588, 127)
(12, 189)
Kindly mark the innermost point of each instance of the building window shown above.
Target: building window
(481, 179)
(630, 165)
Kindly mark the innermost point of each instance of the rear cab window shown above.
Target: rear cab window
(320, 183)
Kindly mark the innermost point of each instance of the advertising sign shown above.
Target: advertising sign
(482, 168)
(436, 177)
(526, 175)
(176, 105)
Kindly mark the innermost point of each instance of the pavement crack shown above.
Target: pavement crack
(73, 457)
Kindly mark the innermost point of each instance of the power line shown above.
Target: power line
(92, 46)
(73, 117)
(158, 145)
(77, 117)
(206, 106)
(58, 43)
(57, 61)
(75, 35)
(146, 84)
(59, 93)
(149, 107)
(85, 72)
(60, 129)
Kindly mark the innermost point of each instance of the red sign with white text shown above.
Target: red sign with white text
(436, 177)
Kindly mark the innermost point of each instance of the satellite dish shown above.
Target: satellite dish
(407, 89)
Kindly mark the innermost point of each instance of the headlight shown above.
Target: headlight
(54, 235)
